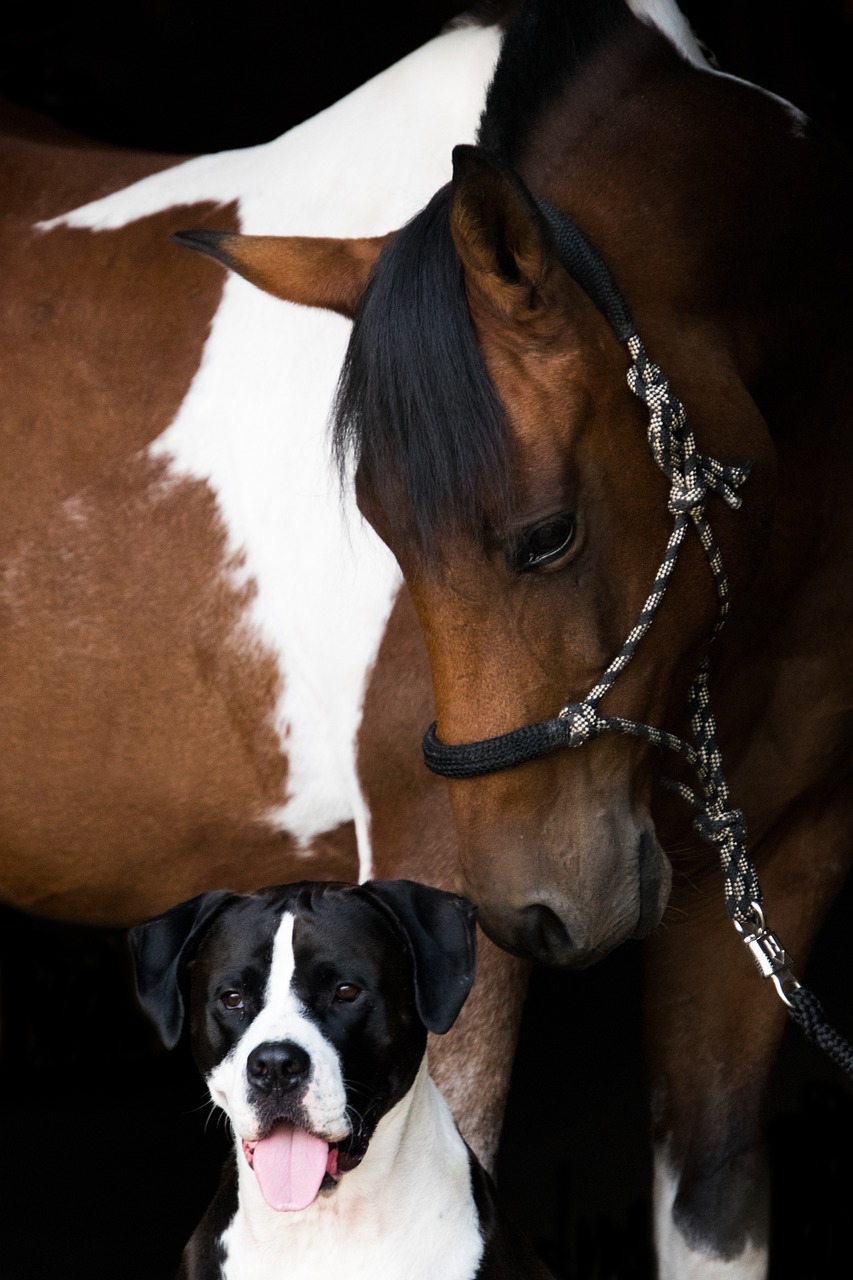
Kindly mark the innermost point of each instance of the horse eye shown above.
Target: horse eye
(231, 999)
(543, 544)
(347, 991)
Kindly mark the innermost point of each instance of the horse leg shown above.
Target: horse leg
(472, 1064)
(714, 1029)
(413, 836)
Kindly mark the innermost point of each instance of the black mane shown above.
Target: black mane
(543, 48)
(415, 407)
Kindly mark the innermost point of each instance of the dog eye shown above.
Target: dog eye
(231, 999)
(347, 991)
(542, 544)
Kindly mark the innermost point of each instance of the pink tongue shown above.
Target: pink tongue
(289, 1166)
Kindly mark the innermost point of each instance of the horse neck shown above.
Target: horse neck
(716, 205)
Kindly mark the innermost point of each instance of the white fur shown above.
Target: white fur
(671, 22)
(406, 1211)
(677, 1260)
(283, 1017)
(254, 423)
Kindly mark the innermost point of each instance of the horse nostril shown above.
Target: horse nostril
(543, 937)
(651, 877)
(277, 1065)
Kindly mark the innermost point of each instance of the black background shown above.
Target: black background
(109, 1153)
(179, 76)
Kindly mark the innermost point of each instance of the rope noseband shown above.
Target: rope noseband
(692, 475)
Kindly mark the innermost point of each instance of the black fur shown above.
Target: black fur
(544, 47)
(179, 953)
(438, 931)
(205, 1253)
(161, 949)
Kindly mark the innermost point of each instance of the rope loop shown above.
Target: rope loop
(721, 826)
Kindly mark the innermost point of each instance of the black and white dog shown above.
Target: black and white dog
(308, 1008)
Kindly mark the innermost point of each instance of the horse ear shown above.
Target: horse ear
(500, 235)
(440, 930)
(311, 270)
(161, 949)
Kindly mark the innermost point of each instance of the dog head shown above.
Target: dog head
(308, 1007)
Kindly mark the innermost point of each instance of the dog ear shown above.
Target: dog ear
(440, 930)
(161, 948)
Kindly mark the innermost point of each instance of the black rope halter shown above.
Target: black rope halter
(692, 475)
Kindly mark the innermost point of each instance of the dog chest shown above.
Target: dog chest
(441, 1239)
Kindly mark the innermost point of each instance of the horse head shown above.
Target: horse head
(502, 456)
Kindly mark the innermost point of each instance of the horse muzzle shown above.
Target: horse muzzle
(574, 929)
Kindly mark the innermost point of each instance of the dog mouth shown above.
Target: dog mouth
(292, 1166)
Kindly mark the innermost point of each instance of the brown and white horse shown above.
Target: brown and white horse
(503, 459)
(189, 613)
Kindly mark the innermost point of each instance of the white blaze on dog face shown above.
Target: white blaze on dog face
(319, 1102)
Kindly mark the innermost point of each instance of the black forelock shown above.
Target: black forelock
(415, 408)
(546, 44)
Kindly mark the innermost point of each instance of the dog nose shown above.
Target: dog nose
(277, 1065)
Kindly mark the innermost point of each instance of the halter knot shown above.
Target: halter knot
(693, 474)
(649, 382)
(721, 826)
(582, 723)
(682, 499)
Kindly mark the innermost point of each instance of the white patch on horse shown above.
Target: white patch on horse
(407, 1209)
(671, 22)
(254, 424)
(678, 1260)
(283, 1017)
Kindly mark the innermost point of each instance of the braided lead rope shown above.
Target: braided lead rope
(647, 613)
(692, 475)
(807, 1011)
(717, 822)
